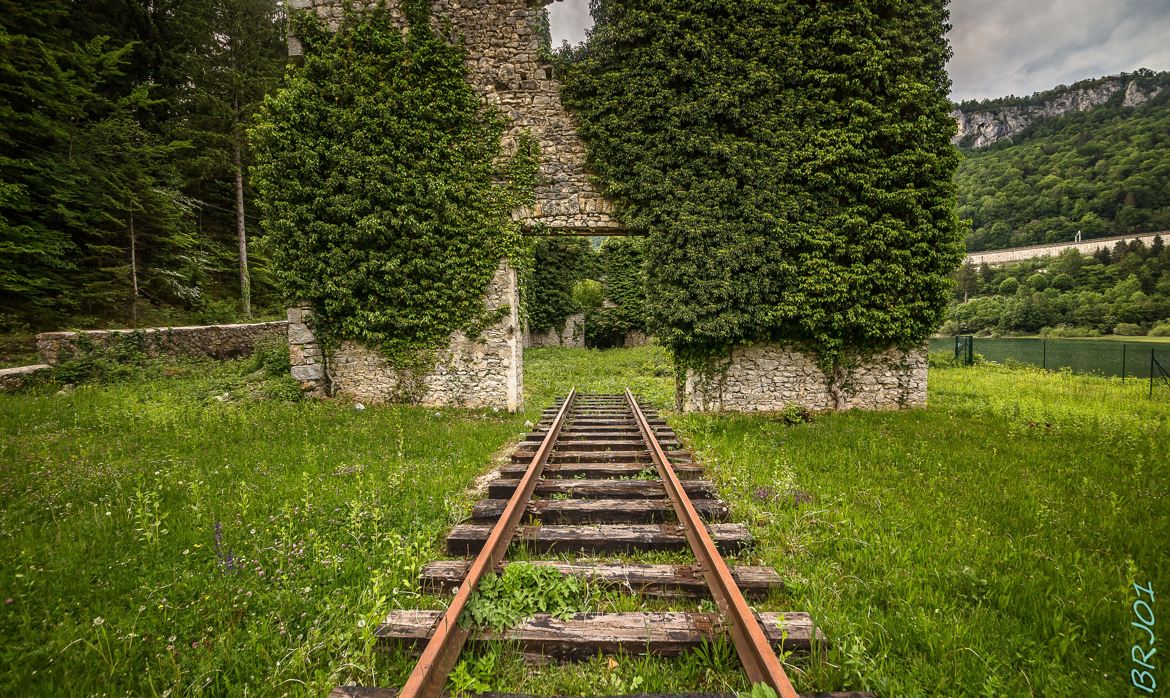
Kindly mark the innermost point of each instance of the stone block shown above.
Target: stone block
(772, 377)
(314, 372)
(299, 333)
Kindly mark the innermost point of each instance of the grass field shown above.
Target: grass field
(159, 541)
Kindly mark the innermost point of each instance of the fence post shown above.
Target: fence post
(1045, 359)
(1151, 374)
(1123, 345)
(971, 350)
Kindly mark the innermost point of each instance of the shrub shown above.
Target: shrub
(588, 294)
(1129, 329)
(1162, 329)
(1069, 331)
(87, 362)
(271, 357)
(1008, 287)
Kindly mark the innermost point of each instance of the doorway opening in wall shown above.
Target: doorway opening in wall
(588, 290)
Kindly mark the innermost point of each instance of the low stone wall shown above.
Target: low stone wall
(572, 335)
(486, 371)
(212, 341)
(636, 338)
(1087, 247)
(15, 378)
(772, 377)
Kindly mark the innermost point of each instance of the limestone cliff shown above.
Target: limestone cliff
(984, 123)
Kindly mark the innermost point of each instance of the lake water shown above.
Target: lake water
(1109, 358)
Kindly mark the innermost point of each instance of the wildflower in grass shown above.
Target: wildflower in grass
(226, 561)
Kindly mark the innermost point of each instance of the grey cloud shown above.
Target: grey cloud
(1007, 47)
(569, 20)
(1016, 47)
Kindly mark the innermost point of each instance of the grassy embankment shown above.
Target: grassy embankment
(155, 538)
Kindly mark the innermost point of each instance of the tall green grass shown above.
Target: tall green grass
(181, 531)
(156, 540)
(984, 546)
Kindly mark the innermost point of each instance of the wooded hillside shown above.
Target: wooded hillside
(1102, 172)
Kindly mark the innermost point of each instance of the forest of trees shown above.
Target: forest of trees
(1125, 291)
(124, 196)
(1102, 172)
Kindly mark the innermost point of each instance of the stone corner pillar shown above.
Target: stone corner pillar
(304, 352)
(486, 371)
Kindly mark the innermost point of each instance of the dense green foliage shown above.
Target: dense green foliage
(1126, 292)
(791, 161)
(559, 264)
(1102, 172)
(113, 195)
(385, 199)
(623, 273)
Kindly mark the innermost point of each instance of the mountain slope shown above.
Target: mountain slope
(1105, 171)
(987, 122)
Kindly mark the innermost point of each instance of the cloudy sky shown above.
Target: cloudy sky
(1017, 47)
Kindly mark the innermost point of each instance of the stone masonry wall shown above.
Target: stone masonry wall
(503, 46)
(1087, 247)
(486, 371)
(772, 377)
(572, 335)
(15, 378)
(212, 341)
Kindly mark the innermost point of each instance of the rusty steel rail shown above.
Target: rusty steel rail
(446, 644)
(755, 652)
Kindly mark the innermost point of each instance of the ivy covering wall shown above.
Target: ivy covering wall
(383, 190)
(791, 160)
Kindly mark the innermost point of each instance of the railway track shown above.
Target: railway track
(601, 475)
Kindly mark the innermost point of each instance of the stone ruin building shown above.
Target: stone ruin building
(503, 43)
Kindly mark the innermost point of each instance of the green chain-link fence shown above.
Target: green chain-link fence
(1141, 360)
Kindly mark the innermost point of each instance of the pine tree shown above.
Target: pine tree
(240, 60)
(88, 211)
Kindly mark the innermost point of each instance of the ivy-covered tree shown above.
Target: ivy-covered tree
(384, 195)
(791, 160)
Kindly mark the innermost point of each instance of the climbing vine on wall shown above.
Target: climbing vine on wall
(791, 160)
(384, 192)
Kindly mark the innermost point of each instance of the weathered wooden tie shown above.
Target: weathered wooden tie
(445, 576)
(596, 539)
(584, 635)
(600, 489)
(599, 511)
